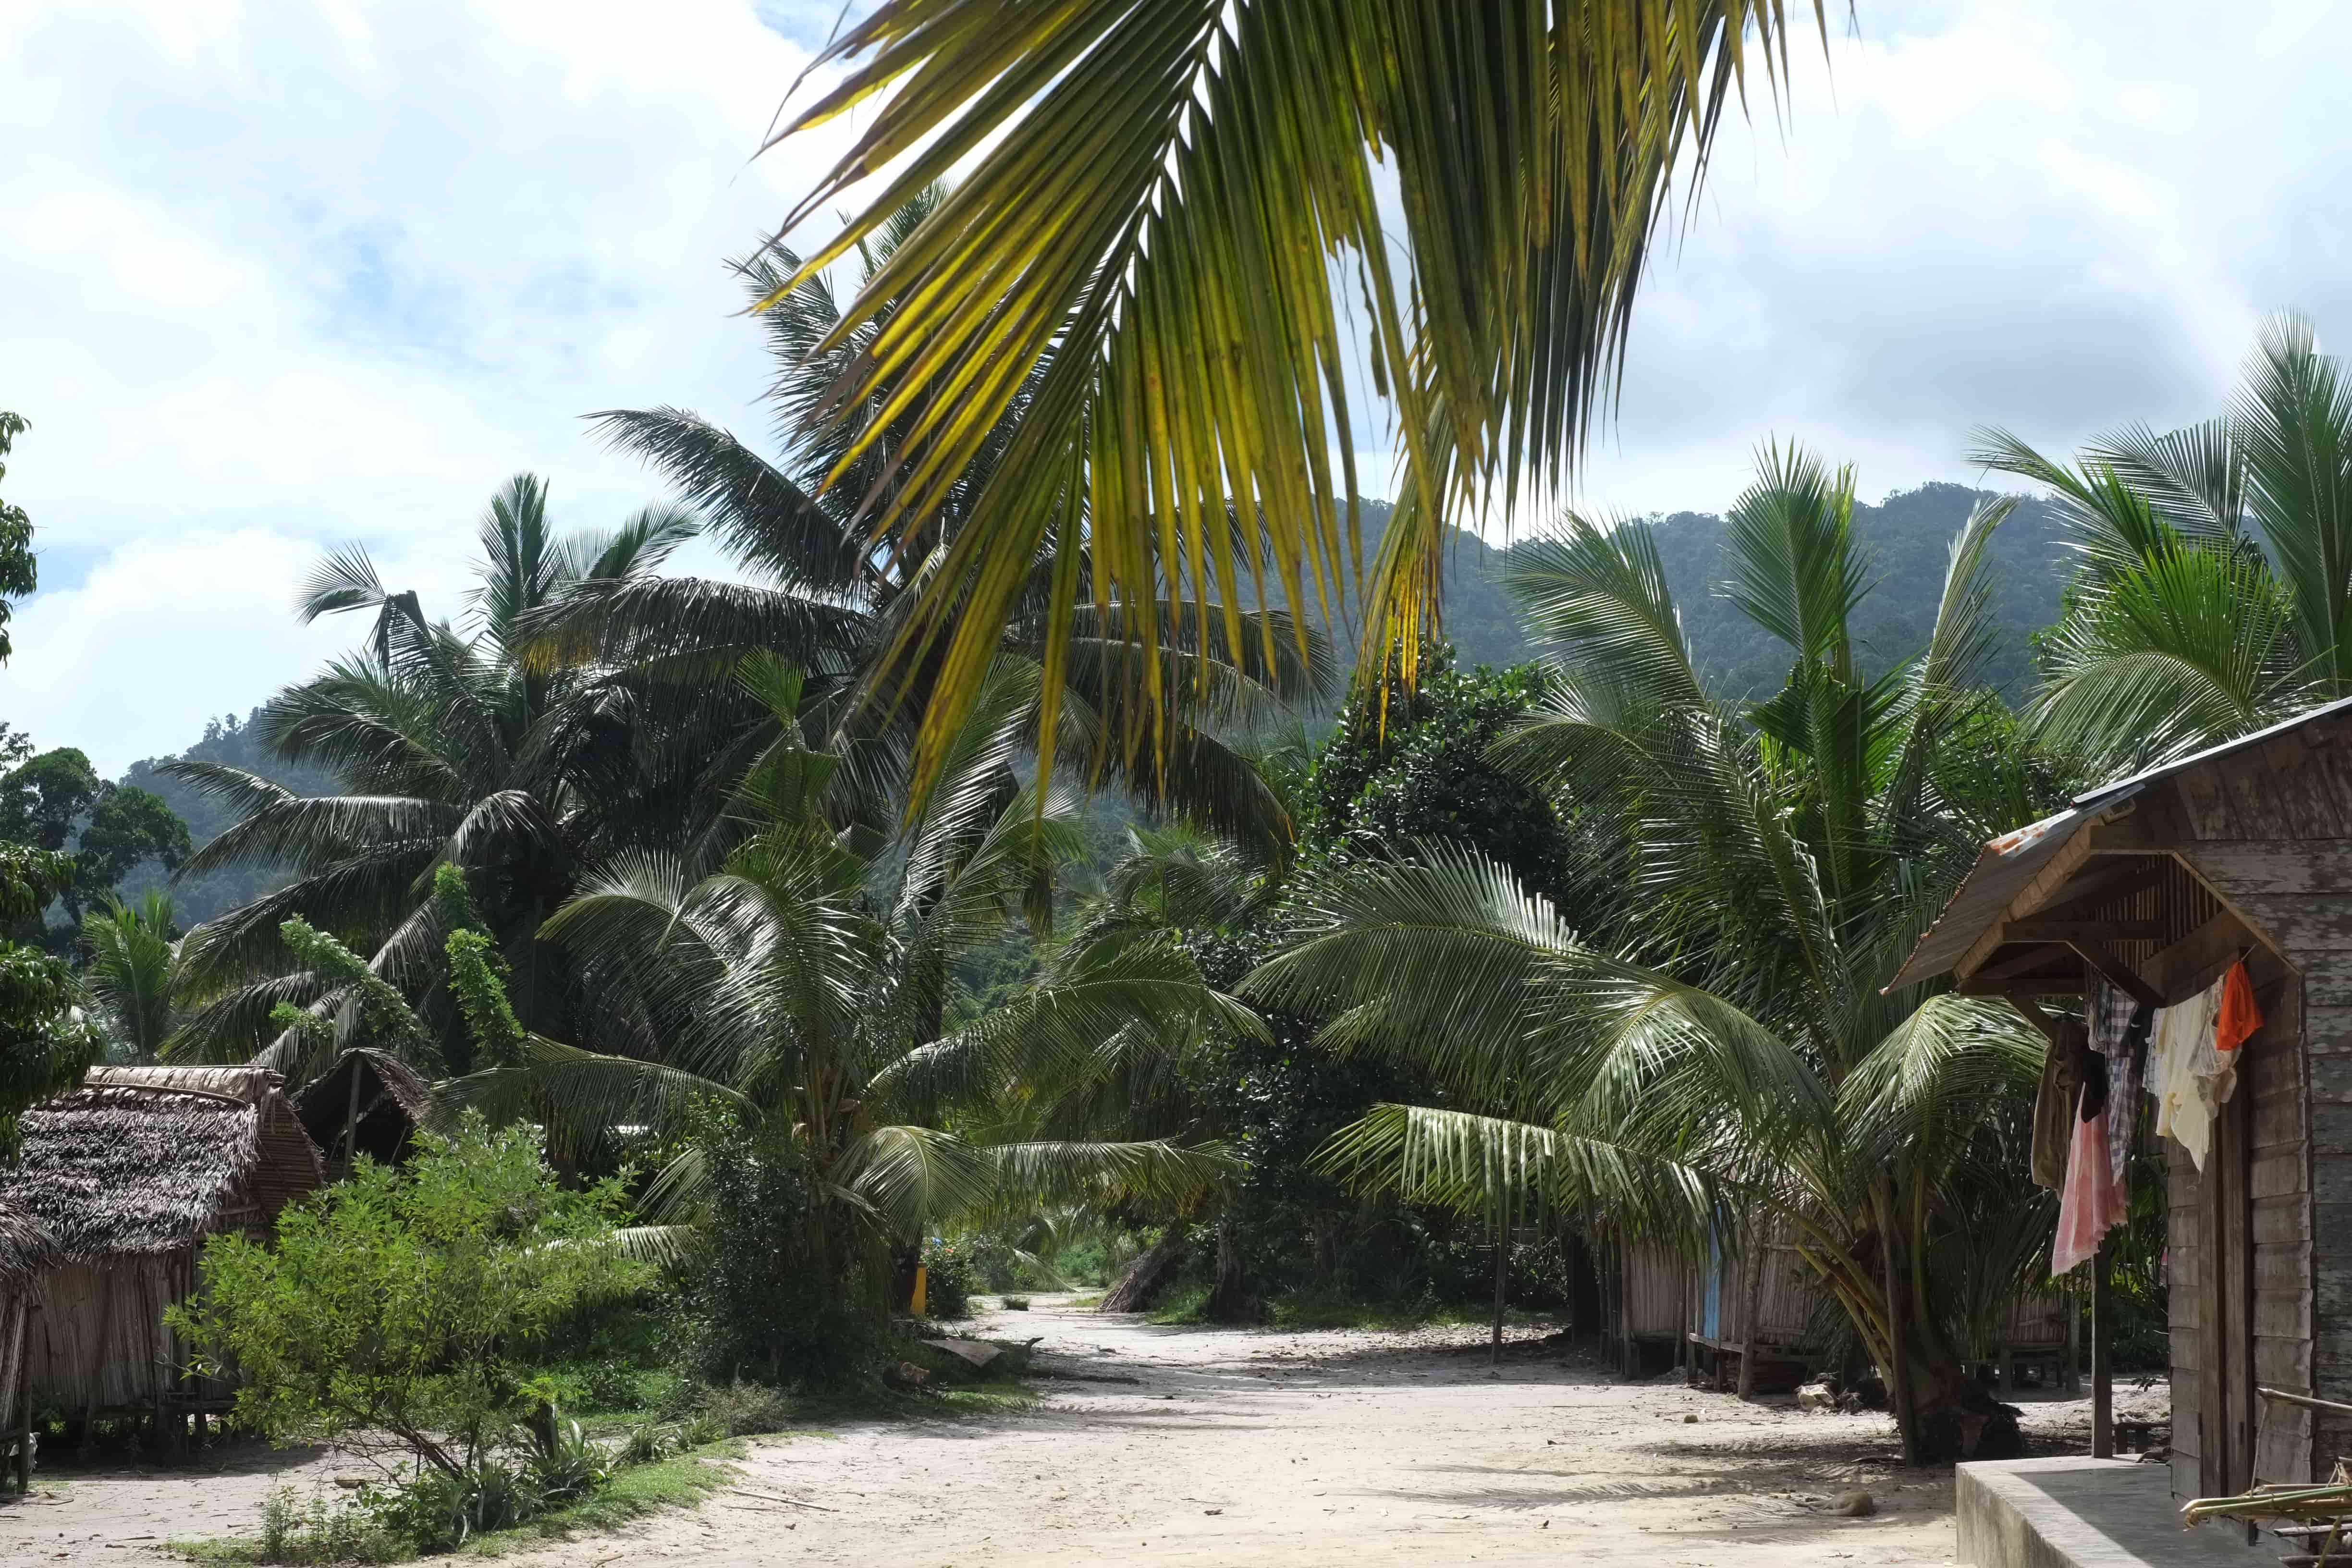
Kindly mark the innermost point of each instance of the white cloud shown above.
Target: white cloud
(285, 276)
(2053, 217)
(281, 276)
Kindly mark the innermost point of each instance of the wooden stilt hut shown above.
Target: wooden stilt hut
(129, 1174)
(367, 1102)
(26, 1252)
(2159, 883)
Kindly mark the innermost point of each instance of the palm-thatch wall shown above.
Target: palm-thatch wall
(367, 1102)
(26, 1252)
(128, 1174)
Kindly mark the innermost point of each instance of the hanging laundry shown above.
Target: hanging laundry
(2233, 1026)
(2092, 1202)
(2054, 1107)
(2180, 1046)
(2119, 1026)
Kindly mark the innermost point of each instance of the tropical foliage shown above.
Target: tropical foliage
(451, 747)
(1173, 317)
(2213, 594)
(1706, 1046)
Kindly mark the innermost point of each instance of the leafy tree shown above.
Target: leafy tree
(1715, 1051)
(133, 975)
(1172, 313)
(2211, 596)
(410, 1301)
(19, 574)
(798, 987)
(56, 800)
(449, 747)
(813, 596)
(46, 1044)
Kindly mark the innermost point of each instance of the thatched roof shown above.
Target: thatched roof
(25, 1248)
(142, 1160)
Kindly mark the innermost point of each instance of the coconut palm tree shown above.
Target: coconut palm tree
(134, 974)
(797, 987)
(816, 597)
(2212, 595)
(1455, 197)
(452, 747)
(1716, 1050)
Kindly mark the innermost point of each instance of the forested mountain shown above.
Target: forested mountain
(225, 739)
(1905, 536)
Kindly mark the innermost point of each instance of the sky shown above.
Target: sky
(279, 277)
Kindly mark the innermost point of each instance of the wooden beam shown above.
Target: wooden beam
(2101, 957)
(2033, 985)
(2033, 1014)
(2096, 930)
(2018, 963)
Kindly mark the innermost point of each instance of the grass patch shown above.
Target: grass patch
(635, 1490)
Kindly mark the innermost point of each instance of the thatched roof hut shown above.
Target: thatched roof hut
(367, 1102)
(128, 1175)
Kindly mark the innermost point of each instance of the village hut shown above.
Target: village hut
(367, 1102)
(129, 1174)
(26, 1252)
(2157, 886)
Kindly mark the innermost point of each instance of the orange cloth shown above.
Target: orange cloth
(2239, 1017)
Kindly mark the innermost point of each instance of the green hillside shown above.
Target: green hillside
(1909, 535)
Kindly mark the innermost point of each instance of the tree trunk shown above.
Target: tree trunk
(1230, 1301)
(1324, 1233)
(1139, 1285)
(1752, 1304)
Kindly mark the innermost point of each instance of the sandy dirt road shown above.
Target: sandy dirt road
(1233, 1446)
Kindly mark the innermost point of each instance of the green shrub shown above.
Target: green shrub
(296, 1530)
(757, 1304)
(951, 1278)
(413, 1302)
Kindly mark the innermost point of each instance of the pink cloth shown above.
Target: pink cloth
(2092, 1202)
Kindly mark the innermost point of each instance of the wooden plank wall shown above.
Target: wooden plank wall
(2270, 828)
(1657, 1292)
(2184, 1265)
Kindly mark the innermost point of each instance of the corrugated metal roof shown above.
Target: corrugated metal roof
(2009, 862)
(2166, 770)
(2003, 868)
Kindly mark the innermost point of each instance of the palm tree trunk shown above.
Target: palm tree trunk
(1141, 1285)
(1230, 1301)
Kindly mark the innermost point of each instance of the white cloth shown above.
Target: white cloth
(2188, 1077)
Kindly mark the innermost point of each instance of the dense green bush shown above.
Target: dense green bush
(758, 1303)
(415, 1303)
(952, 1273)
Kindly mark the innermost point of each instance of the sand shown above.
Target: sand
(1229, 1447)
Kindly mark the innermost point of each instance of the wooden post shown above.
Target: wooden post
(1898, 1349)
(351, 1120)
(1752, 1297)
(24, 1399)
(2074, 1343)
(1502, 1269)
(2103, 1387)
